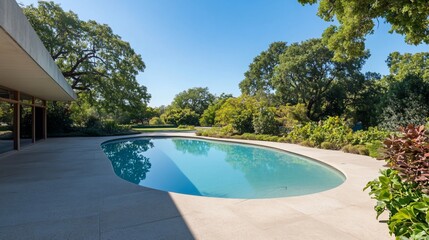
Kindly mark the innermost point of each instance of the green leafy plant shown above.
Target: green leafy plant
(402, 190)
(264, 121)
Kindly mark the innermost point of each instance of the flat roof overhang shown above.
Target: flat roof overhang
(25, 64)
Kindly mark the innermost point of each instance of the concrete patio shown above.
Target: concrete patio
(65, 188)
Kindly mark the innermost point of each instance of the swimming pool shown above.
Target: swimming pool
(217, 169)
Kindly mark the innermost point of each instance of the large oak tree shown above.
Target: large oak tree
(94, 60)
(258, 79)
(308, 74)
(357, 19)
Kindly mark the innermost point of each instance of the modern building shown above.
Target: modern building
(28, 78)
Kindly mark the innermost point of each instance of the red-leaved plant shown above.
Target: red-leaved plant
(409, 155)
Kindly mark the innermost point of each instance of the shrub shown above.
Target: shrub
(375, 149)
(355, 149)
(110, 127)
(237, 112)
(264, 122)
(409, 155)
(178, 117)
(308, 143)
(300, 133)
(367, 136)
(334, 130)
(156, 121)
(402, 190)
(291, 115)
(407, 205)
(362, 150)
(328, 145)
(93, 122)
(189, 127)
(59, 119)
(349, 149)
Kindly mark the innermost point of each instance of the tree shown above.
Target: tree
(405, 102)
(196, 99)
(180, 116)
(402, 65)
(258, 79)
(238, 112)
(289, 116)
(357, 18)
(363, 100)
(209, 115)
(308, 74)
(264, 121)
(91, 57)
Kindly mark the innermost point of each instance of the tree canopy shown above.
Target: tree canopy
(308, 74)
(357, 18)
(208, 117)
(402, 65)
(196, 99)
(91, 57)
(258, 79)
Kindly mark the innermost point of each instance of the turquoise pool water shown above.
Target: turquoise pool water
(217, 169)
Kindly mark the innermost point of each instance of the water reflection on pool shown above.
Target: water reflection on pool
(217, 169)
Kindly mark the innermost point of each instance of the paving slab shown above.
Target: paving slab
(65, 188)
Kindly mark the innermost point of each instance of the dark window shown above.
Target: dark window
(6, 127)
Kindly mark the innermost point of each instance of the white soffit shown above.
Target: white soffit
(25, 64)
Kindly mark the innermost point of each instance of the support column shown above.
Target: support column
(45, 120)
(33, 122)
(16, 122)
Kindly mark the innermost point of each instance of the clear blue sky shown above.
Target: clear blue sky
(210, 43)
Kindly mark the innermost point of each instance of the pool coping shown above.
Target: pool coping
(75, 194)
(380, 230)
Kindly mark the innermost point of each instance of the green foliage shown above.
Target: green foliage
(59, 118)
(308, 143)
(407, 64)
(372, 134)
(402, 190)
(96, 127)
(93, 122)
(333, 133)
(334, 130)
(308, 74)
(237, 112)
(196, 99)
(289, 116)
(408, 207)
(355, 149)
(153, 126)
(208, 117)
(93, 59)
(178, 117)
(375, 149)
(188, 127)
(328, 145)
(406, 102)
(357, 18)
(156, 121)
(258, 79)
(361, 100)
(264, 121)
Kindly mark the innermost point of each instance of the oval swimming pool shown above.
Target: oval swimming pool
(217, 169)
